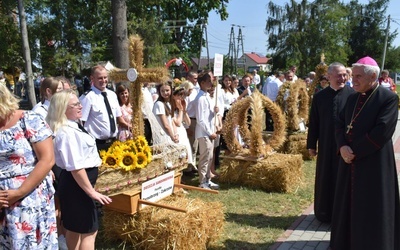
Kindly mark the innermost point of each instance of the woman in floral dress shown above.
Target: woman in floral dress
(27, 218)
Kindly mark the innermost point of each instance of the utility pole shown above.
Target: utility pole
(240, 43)
(232, 51)
(203, 31)
(385, 44)
(208, 51)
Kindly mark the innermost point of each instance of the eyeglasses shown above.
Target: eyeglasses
(77, 104)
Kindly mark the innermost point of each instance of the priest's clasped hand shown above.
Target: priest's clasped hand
(347, 154)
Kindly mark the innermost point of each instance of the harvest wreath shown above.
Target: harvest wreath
(296, 104)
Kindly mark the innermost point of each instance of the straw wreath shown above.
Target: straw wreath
(296, 105)
(237, 116)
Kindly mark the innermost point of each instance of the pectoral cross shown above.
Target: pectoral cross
(349, 127)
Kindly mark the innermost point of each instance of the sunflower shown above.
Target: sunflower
(141, 140)
(113, 146)
(128, 161)
(110, 160)
(147, 151)
(130, 146)
(141, 160)
(102, 153)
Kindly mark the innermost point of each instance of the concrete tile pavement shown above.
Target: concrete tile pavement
(307, 233)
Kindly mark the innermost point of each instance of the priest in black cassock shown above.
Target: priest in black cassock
(325, 106)
(366, 211)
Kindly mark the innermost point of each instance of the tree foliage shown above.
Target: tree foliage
(299, 32)
(10, 38)
(67, 36)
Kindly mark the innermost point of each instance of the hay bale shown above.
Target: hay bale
(276, 173)
(157, 228)
(296, 143)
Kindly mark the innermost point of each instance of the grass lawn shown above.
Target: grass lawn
(254, 218)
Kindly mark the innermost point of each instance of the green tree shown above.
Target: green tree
(367, 26)
(392, 59)
(300, 32)
(10, 38)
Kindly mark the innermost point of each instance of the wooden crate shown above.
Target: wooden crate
(128, 201)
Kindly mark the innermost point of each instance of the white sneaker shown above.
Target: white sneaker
(205, 186)
(213, 185)
(62, 243)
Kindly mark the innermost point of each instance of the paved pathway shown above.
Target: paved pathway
(307, 232)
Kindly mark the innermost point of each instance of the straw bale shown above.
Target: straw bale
(296, 143)
(276, 173)
(157, 228)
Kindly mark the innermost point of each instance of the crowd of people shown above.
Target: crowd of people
(352, 118)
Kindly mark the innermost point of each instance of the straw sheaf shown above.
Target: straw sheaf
(157, 228)
(158, 74)
(277, 173)
(320, 70)
(136, 98)
(136, 52)
(256, 141)
(303, 100)
(117, 75)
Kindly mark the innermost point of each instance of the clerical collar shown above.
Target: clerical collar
(335, 89)
(368, 92)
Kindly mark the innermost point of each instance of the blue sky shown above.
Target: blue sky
(252, 15)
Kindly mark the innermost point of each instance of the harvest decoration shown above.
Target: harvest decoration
(296, 106)
(128, 155)
(237, 115)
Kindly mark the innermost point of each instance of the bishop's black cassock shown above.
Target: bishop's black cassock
(366, 212)
(325, 106)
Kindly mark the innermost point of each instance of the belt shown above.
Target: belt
(193, 118)
(109, 140)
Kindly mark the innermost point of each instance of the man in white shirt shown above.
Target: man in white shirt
(205, 132)
(269, 79)
(293, 68)
(98, 121)
(191, 111)
(273, 90)
(273, 86)
(256, 79)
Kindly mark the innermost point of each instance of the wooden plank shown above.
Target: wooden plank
(244, 158)
(155, 204)
(197, 188)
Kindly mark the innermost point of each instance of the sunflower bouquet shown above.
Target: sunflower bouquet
(128, 155)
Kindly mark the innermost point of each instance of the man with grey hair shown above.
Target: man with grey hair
(325, 107)
(366, 211)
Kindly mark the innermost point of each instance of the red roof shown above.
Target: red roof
(257, 58)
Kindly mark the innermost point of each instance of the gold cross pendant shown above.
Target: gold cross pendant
(349, 127)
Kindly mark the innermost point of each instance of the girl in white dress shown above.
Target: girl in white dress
(162, 110)
(181, 121)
